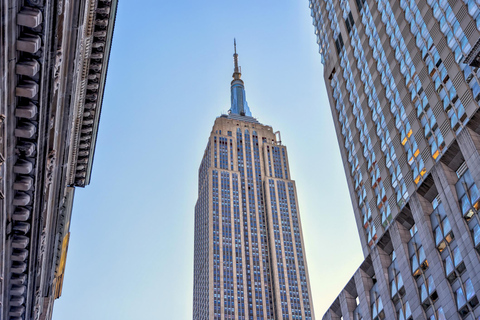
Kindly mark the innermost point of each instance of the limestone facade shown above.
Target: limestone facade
(53, 66)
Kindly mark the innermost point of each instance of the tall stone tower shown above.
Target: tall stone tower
(249, 252)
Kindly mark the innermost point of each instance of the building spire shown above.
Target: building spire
(237, 73)
(238, 100)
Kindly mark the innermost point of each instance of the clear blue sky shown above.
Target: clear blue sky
(131, 245)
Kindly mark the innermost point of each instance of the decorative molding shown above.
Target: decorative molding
(57, 71)
(97, 31)
(30, 52)
(82, 71)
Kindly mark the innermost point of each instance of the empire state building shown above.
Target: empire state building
(249, 253)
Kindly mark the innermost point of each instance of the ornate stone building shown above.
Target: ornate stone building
(53, 65)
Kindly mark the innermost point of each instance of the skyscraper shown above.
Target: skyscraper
(249, 252)
(403, 83)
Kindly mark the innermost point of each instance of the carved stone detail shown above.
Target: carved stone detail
(50, 166)
(94, 48)
(57, 70)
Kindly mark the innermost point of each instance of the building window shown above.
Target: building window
(397, 289)
(454, 265)
(440, 315)
(349, 22)
(476, 236)
(376, 304)
(357, 315)
(360, 4)
(339, 44)
(466, 298)
(468, 195)
(418, 258)
(469, 199)
(428, 293)
(404, 312)
(442, 229)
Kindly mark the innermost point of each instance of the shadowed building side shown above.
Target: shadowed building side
(53, 62)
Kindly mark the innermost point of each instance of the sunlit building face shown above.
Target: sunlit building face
(249, 252)
(403, 83)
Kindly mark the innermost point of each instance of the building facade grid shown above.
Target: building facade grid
(403, 84)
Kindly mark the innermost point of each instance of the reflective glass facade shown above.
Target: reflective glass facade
(403, 83)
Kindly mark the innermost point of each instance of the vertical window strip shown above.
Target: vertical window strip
(257, 275)
(262, 226)
(285, 166)
(321, 31)
(228, 288)
(231, 154)
(396, 107)
(412, 82)
(278, 247)
(356, 173)
(458, 43)
(215, 150)
(365, 139)
(238, 249)
(216, 247)
(299, 250)
(246, 232)
(290, 266)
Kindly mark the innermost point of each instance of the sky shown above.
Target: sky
(130, 254)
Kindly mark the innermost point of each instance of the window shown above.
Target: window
(468, 195)
(404, 312)
(376, 304)
(418, 258)
(428, 293)
(476, 236)
(469, 199)
(461, 302)
(339, 43)
(360, 4)
(442, 229)
(458, 260)
(397, 289)
(349, 22)
(441, 314)
(449, 269)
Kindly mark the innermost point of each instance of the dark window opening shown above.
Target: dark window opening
(349, 22)
(339, 43)
(360, 4)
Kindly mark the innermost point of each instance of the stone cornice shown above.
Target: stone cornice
(81, 69)
(95, 50)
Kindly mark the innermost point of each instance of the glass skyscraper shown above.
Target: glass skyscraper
(403, 83)
(249, 254)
